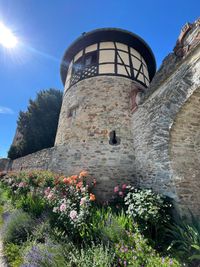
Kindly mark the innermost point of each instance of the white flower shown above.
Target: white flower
(73, 215)
(55, 209)
(83, 200)
(63, 207)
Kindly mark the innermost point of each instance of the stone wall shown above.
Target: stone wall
(185, 153)
(151, 125)
(4, 164)
(36, 161)
(110, 166)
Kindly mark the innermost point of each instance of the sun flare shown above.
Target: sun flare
(7, 38)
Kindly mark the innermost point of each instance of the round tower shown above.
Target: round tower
(103, 72)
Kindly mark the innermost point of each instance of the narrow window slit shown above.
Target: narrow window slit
(114, 140)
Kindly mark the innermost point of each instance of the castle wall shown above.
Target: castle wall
(36, 161)
(184, 151)
(65, 159)
(152, 123)
(4, 164)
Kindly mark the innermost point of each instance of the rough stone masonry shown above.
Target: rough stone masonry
(159, 141)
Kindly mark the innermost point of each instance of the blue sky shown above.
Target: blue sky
(45, 28)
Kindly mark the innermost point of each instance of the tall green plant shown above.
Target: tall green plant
(17, 228)
(186, 239)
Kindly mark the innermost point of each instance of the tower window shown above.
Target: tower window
(77, 67)
(114, 140)
(90, 59)
(72, 112)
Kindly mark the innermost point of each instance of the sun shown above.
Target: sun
(7, 38)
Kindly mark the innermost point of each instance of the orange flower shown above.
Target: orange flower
(74, 177)
(92, 197)
(65, 180)
(70, 181)
(83, 174)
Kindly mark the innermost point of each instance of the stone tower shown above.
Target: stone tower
(103, 73)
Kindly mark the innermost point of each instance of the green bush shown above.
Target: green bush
(186, 240)
(48, 254)
(115, 227)
(32, 204)
(42, 230)
(1, 215)
(151, 211)
(107, 226)
(13, 254)
(26, 190)
(17, 228)
(131, 248)
(145, 206)
(135, 251)
(94, 256)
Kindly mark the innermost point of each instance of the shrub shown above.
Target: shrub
(135, 251)
(151, 211)
(33, 182)
(32, 204)
(42, 230)
(186, 240)
(131, 248)
(26, 189)
(71, 202)
(13, 254)
(94, 256)
(1, 215)
(48, 254)
(115, 226)
(145, 206)
(17, 228)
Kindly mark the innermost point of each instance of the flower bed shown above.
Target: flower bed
(55, 221)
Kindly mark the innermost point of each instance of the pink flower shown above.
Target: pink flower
(63, 207)
(116, 189)
(73, 215)
(121, 193)
(50, 196)
(83, 200)
(83, 189)
(124, 186)
(22, 184)
(47, 191)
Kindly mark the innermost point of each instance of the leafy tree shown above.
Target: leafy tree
(38, 124)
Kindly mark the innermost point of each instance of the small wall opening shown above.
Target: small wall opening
(72, 112)
(114, 140)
